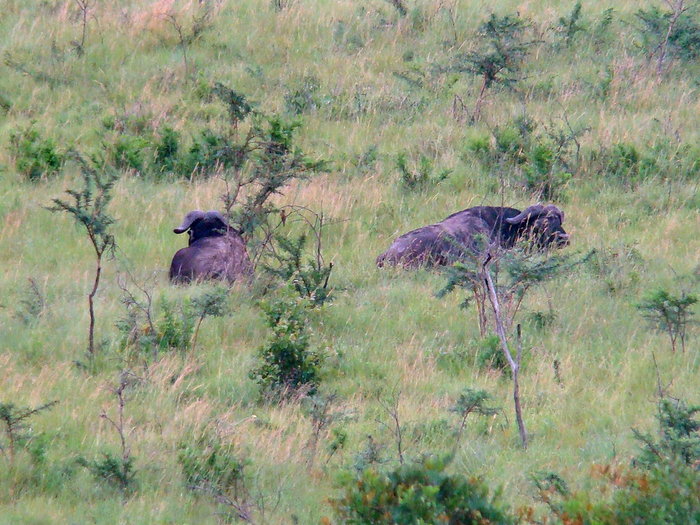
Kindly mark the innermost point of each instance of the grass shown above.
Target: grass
(385, 331)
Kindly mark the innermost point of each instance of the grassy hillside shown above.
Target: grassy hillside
(366, 83)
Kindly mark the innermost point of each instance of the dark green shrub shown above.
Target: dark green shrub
(209, 465)
(166, 148)
(684, 38)
(31, 305)
(309, 279)
(662, 486)
(680, 436)
(127, 152)
(304, 96)
(115, 471)
(418, 493)
(490, 355)
(18, 435)
(569, 26)
(421, 175)
(35, 157)
(209, 152)
(287, 362)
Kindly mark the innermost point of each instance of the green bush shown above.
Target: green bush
(421, 175)
(684, 38)
(127, 152)
(35, 157)
(490, 355)
(287, 362)
(418, 493)
(167, 146)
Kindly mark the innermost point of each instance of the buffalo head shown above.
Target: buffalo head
(199, 224)
(542, 225)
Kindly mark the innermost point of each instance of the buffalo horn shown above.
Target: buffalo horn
(189, 219)
(523, 215)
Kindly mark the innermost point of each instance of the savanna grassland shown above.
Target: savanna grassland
(587, 117)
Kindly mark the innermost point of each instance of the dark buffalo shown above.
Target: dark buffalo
(215, 251)
(467, 231)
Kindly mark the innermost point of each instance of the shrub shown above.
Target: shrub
(490, 355)
(127, 152)
(309, 279)
(115, 471)
(421, 175)
(287, 363)
(166, 147)
(303, 97)
(683, 40)
(35, 157)
(420, 492)
(661, 486)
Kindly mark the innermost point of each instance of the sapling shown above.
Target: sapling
(89, 210)
(502, 51)
(669, 313)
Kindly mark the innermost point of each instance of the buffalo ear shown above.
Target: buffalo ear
(189, 220)
(526, 214)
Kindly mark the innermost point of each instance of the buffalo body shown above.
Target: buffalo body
(215, 251)
(468, 231)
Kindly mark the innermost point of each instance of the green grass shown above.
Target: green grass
(385, 331)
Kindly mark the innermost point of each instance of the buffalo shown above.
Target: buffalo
(215, 251)
(465, 232)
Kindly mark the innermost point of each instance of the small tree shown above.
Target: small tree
(89, 210)
(669, 313)
(471, 401)
(117, 470)
(525, 269)
(502, 51)
(211, 303)
(13, 419)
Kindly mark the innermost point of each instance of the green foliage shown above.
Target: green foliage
(472, 401)
(542, 158)
(421, 175)
(127, 152)
(18, 434)
(89, 206)
(209, 152)
(418, 493)
(35, 157)
(490, 355)
(669, 313)
(176, 326)
(304, 96)
(569, 26)
(167, 147)
(309, 279)
(662, 485)
(115, 471)
(170, 327)
(237, 104)
(684, 38)
(211, 466)
(287, 363)
(680, 436)
(502, 51)
(32, 304)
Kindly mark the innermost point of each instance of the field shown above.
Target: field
(367, 84)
